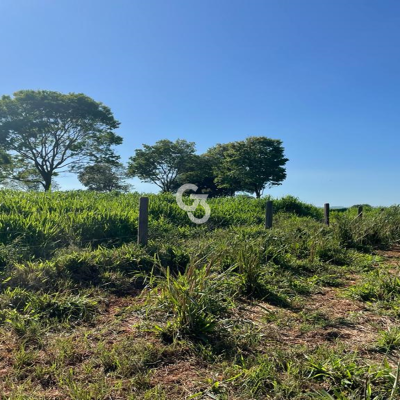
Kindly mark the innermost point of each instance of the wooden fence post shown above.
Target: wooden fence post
(143, 226)
(360, 212)
(268, 215)
(326, 214)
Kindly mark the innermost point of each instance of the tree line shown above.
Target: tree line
(44, 133)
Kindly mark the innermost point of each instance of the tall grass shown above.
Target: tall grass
(40, 223)
(195, 300)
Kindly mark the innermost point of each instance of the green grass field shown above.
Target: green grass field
(224, 310)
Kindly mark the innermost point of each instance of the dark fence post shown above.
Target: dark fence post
(268, 215)
(143, 226)
(326, 214)
(360, 212)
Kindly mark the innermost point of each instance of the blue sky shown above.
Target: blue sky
(321, 75)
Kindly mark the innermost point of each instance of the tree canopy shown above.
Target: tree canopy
(251, 165)
(162, 163)
(203, 173)
(104, 178)
(43, 133)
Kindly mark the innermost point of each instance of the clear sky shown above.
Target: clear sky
(321, 75)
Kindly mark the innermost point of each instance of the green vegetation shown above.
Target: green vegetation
(249, 166)
(102, 177)
(162, 163)
(225, 310)
(43, 133)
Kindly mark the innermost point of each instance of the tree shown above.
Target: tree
(162, 163)
(104, 178)
(45, 133)
(5, 166)
(203, 174)
(252, 164)
(226, 183)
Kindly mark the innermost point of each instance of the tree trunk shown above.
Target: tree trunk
(47, 182)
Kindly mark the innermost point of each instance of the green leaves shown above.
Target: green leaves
(103, 177)
(45, 132)
(196, 299)
(251, 165)
(162, 163)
